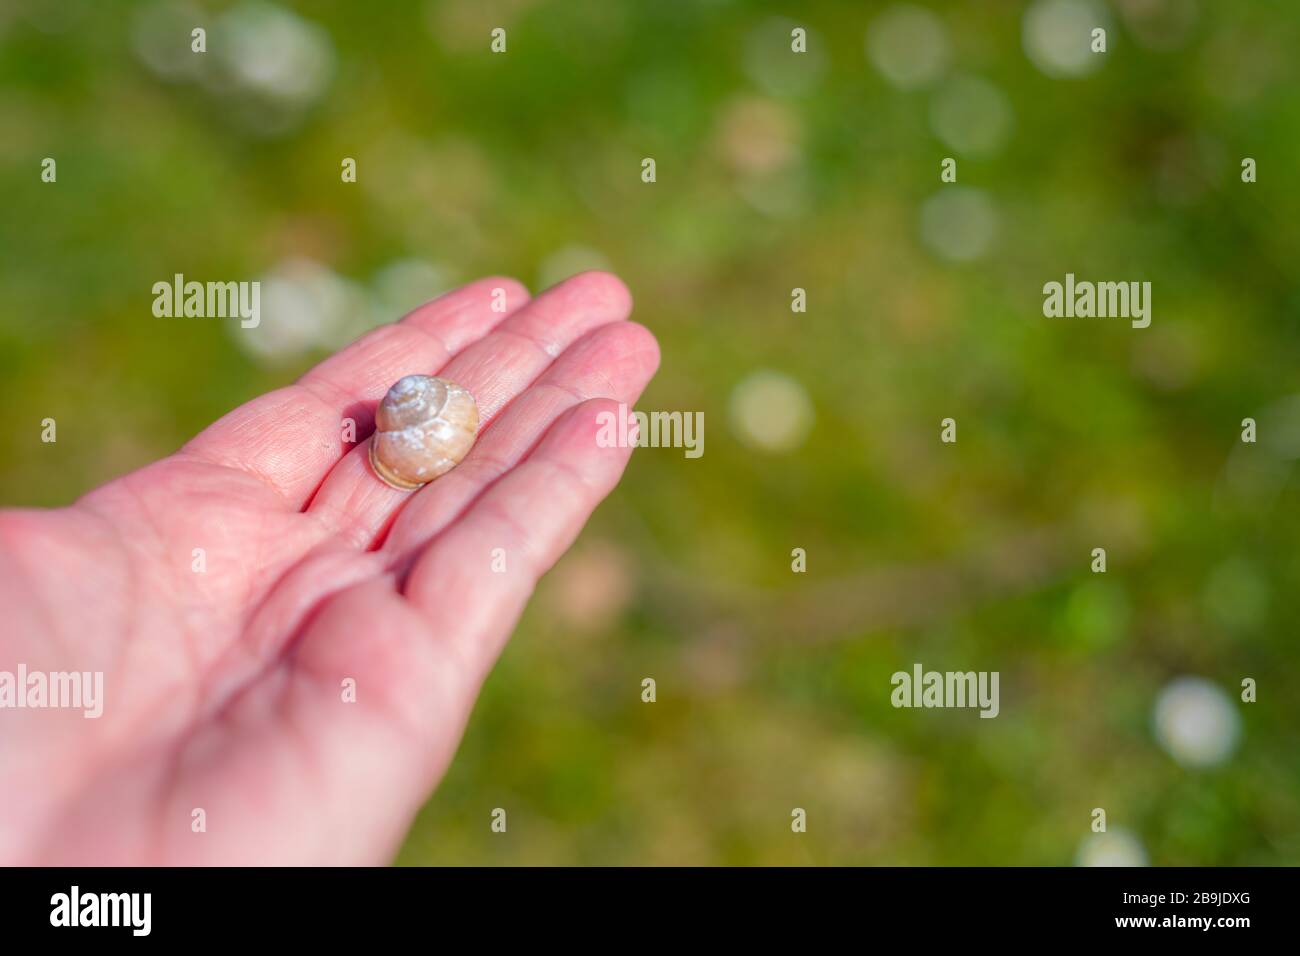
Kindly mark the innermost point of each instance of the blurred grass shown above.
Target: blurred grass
(772, 687)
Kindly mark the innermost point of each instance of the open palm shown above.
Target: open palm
(289, 645)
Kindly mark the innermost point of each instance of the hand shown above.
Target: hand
(226, 671)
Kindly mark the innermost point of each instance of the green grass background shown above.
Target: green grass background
(773, 688)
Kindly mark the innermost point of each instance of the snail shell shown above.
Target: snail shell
(423, 428)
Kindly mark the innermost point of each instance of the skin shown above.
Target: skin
(224, 690)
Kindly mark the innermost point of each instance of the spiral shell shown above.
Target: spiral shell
(423, 428)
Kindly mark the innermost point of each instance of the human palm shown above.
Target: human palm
(289, 645)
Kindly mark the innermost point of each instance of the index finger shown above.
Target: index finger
(290, 438)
